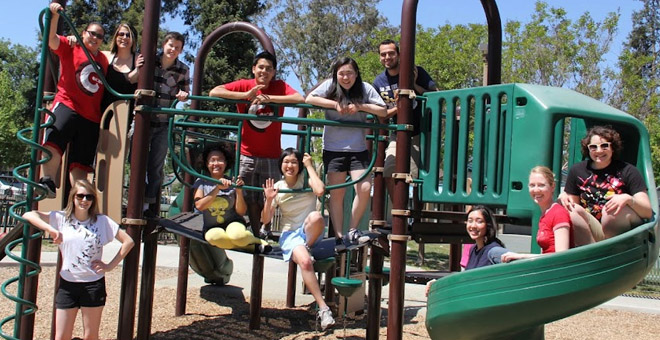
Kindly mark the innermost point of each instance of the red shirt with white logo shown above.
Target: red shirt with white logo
(261, 138)
(80, 87)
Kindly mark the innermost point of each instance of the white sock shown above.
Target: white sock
(145, 206)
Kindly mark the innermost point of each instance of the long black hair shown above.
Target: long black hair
(491, 224)
(337, 93)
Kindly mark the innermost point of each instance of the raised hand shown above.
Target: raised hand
(269, 189)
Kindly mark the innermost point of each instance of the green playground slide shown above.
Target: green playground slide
(515, 300)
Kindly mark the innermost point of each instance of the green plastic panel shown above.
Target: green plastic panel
(515, 300)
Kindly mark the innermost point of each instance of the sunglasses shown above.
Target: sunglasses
(88, 197)
(124, 34)
(602, 146)
(95, 35)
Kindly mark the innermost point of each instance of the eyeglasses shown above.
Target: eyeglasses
(602, 146)
(88, 197)
(95, 35)
(124, 34)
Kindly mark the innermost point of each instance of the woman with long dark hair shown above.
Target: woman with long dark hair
(346, 98)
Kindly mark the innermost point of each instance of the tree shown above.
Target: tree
(637, 90)
(18, 75)
(12, 152)
(311, 34)
(553, 50)
(638, 87)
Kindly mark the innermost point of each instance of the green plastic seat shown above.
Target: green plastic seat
(323, 265)
(386, 274)
(345, 286)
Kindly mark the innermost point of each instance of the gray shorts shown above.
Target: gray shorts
(255, 171)
(390, 157)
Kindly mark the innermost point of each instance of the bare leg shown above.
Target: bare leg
(361, 200)
(337, 203)
(614, 225)
(64, 320)
(389, 183)
(91, 317)
(76, 174)
(314, 227)
(586, 229)
(304, 261)
(50, 168)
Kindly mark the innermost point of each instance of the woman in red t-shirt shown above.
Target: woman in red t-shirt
(555, 231)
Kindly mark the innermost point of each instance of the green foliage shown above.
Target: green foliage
(311, 34)
(554, 50)
(12, 152)
(18, 74)
(638, 87)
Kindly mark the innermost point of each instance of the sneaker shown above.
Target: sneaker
(325, 315)
(355, 236)
(265, 234)
(49, 185)
(264, 248)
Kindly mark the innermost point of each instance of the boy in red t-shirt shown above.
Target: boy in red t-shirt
(77, 104)
(260, 147)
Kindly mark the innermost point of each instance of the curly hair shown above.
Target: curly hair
(226, 150)
(607, 133)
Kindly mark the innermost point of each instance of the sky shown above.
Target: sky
(21, 25)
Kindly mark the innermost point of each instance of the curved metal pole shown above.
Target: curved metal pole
(494, 41)
(198, 77)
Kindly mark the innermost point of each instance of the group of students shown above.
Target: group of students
(81, 98)
(603, 197)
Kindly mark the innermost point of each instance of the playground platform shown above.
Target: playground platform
(276, 276)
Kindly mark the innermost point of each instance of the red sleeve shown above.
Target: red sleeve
(64, 48)
(560, 218)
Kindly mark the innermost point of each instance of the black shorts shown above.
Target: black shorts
(80, 294)
(345, 161)
(81, 134)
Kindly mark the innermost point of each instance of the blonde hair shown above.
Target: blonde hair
(545, 172)
(93, 209)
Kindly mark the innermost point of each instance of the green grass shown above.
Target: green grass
(436, 256)
(645, 290)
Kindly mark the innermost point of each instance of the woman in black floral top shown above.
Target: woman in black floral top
(605, 196)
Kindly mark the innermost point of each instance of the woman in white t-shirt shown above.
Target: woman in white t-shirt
(302, 225)
(80, 233)
(346, 98)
